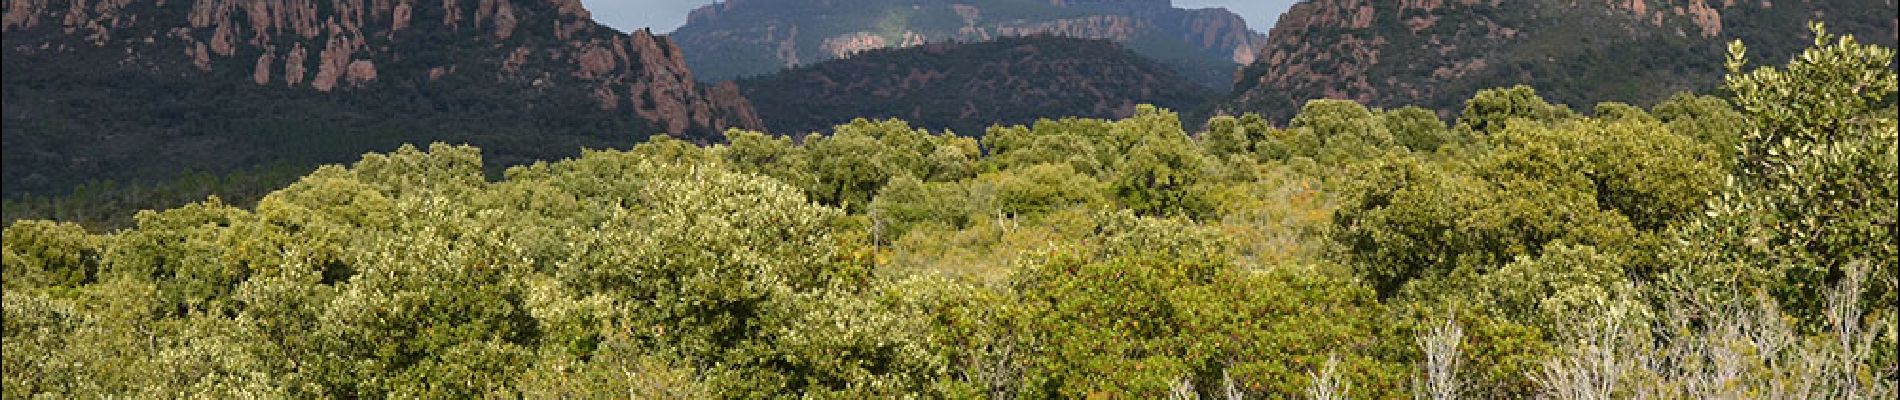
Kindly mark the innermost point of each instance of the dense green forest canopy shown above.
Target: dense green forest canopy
(1708, 247)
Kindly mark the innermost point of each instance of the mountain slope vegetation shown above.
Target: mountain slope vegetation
(1435, 54)
(139, 91)
(1706, 247)
(756, 37)
(966, 87)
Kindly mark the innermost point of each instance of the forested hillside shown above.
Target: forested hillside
(1435, 54)
(139, 91)
(744, 38)
(967, 87)
(1733, 246)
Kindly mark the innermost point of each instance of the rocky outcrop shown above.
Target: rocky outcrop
(1436, 53)
(1220, 29)
(1119, 28)
(341, 45)
(141, 90)
(667, 93)
(755, 37)
(852, 43)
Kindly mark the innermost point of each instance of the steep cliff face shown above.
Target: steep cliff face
(966, 87)
(753, 37)
(1436, 53)
(96, 88)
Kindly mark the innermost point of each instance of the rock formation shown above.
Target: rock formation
(1437, 53)
(346, 41)
(528, 79)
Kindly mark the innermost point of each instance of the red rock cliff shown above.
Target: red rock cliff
(344, 44)
(1436, 53)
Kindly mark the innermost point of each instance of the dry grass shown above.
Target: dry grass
(1745, 349)
(1326, 384)
(1438, 378)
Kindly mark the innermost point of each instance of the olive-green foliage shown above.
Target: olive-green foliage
(1614, 181)
(1331, 131)
(1815, 178)
(1619, 111)
(1085, 144)
(1418, 129)
(1492, 109)
(761, 154)
(1411, 219)
(1226, 136)
(409, 275)
(616, 369)
(1027, 192)
(1564, 282)
(43, 253)
(907, 202)
(1343, 127)
(112, 338)
(1163, 169)
(1072, 258)
(1645, 171)
(1038, 189)
(1516, 315)
(1143, 304)
(1251, 134)
(848, 167)
(1708, 119)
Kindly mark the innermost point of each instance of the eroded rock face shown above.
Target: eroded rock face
(669, 94)
(1437, 53)
(1219, 29)
(346, 44)
(360, 72)
(294, 65)
(852, 43)
(1112, 27)
(226, 85)
(261, 72)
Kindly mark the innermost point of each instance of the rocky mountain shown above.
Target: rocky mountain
(752, 37)
(966, 87)
(1436, 53)
(135, 90)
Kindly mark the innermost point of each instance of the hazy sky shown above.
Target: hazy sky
(665, 15)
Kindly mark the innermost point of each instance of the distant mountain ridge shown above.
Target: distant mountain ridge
(1436, 53)
(138, 89)
(966, 87)
(754, 37)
